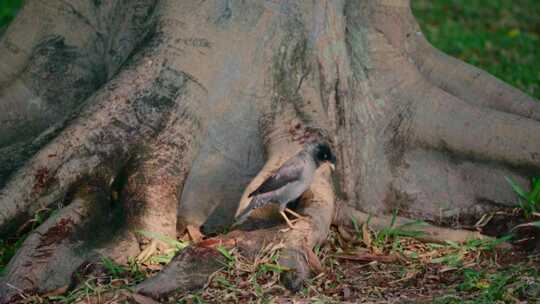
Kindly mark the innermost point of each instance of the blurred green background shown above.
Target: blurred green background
(8, 9)
(500, 36)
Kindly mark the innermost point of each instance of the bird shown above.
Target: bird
(290, 181)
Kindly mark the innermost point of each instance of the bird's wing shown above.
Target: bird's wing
(289, 172)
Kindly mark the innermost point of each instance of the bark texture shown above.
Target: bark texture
(156, 115)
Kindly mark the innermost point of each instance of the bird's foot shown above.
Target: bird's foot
(298, 216)
(289, 222)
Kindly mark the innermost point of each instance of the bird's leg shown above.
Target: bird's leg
(289, 223)
(298, 216)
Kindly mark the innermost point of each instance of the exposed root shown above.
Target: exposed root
(188, 271)
(426, 232)
(52, 252)
(83, 232)
(129, 109)
(448, 189)
(396, 21)
(446, 123)
(469, 83)
(157, 179)
(157, 174)
(56, 54)
(119, 247)
(437, 119)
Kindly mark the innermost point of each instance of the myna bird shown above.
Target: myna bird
(290, 181)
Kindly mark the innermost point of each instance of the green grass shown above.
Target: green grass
(7, 251)
(8, 247)
(506, 285)
(8, 10)
(499, 36)
(166, 257)
(529, 202)
(394, 232)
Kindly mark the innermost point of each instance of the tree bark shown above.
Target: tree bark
(156, 115)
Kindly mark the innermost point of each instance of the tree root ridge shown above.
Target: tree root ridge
(95, 222)
(426, 232)
(189, 271)
(129, 110)
(49, 255)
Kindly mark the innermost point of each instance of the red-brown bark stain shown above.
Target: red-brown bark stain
(42, 179)
(18, 297)
(27, 264)
(213, 243)
(56, 233)
(203, 254)
(300, 134)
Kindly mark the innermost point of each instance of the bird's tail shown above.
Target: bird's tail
(255, 203)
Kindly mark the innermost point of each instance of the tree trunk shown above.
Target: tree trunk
(156, 115)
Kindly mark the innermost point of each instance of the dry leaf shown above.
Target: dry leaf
(212, 243)
(313, 261)
(366, 235)
(345, 234)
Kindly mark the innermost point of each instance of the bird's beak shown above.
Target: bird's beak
(333, 163)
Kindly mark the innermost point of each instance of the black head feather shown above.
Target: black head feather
(323, 153)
